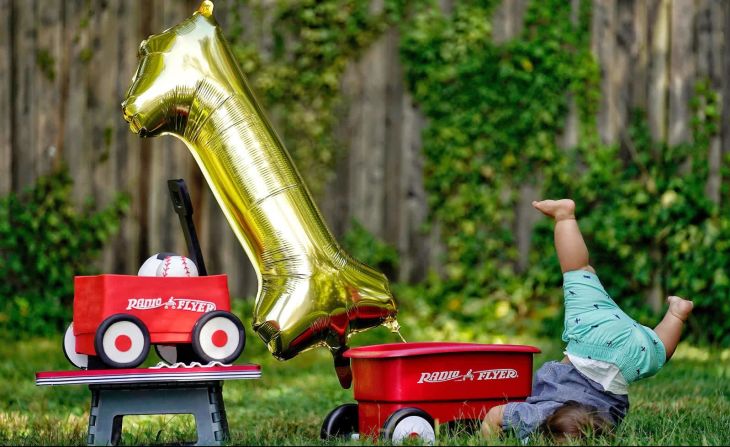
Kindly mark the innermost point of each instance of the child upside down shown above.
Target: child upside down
(607, 350)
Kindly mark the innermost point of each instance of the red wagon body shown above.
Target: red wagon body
(118, 317)
(169, 307)
(448, 381)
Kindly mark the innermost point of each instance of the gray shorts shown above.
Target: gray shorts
(556, 383)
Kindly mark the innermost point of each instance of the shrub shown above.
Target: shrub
(367, 248)
(44, 243)
(494, 114)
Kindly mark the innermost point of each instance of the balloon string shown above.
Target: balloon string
(395, 327)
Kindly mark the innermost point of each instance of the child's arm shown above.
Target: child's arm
(492, 423)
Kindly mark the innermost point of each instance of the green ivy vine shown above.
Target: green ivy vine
(495, 112)
(493, 115)
(650, 222)
(299, 78)
(44, 243)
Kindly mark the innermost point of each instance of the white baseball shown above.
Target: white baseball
(149, 267)
(177, 266)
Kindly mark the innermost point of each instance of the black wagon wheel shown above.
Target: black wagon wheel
(341, 422)
(218, 336)
(409, 423)
(122, 341)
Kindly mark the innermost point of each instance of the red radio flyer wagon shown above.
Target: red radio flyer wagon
(118, 317)
(402, 389)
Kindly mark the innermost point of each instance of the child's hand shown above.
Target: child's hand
(492, 424)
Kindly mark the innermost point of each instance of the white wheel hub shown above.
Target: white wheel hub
(413, 427)
(69, 346)
(123, 342)
(219, 338)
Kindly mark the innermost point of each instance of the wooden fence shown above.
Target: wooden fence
(65, 66)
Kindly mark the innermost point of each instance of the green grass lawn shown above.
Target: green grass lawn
(687, 403)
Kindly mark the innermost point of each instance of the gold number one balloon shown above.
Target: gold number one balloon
(310, 291)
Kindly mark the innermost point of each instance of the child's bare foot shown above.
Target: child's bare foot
(679, 307)
(557, 209)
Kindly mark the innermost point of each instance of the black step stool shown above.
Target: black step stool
(111, 402)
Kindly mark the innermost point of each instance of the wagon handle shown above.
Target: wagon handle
(184, 208)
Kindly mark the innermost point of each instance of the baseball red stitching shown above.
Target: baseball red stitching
(185, 264)
(166, 266)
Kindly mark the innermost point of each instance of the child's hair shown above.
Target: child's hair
(575, 420)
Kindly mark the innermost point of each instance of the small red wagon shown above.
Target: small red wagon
(403, 389)
(118, 317)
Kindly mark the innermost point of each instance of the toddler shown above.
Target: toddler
(606, 350)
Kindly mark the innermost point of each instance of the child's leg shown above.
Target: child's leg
(670, 327)
(572, 250)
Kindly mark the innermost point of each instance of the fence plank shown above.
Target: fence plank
(658, 82)
(77, 150)
(621, 69)
(103, 68)
(117, 149)
(507, 24)
(24, 105)
(404, 190)
(368, 159)
(507, 21)
(681, 70)
(725, 83)
(6, 95)
(639, 53)
(604, 47)
(708, 29)
(169, 159)
(569, 137)
(396, 178)
(418, 257)
(47, 84)
(125, 146)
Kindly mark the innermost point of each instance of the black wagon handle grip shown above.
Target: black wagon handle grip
(184, 208)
